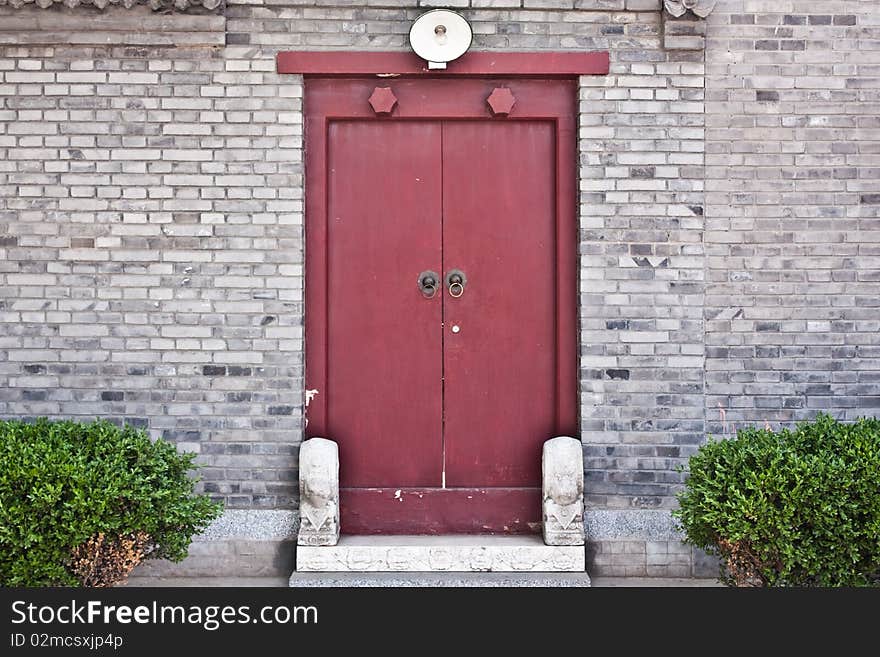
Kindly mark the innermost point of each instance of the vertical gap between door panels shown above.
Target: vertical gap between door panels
(557, 279)
(442, 315)
(325, 247)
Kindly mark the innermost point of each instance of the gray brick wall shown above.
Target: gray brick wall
(642, 267)
(793, 211)
(151, 236)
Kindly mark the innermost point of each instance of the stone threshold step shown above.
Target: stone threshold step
(426, 554)
(438, 580)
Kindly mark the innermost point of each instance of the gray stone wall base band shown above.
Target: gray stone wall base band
(600, 524)
(604, 524)
(252, 525)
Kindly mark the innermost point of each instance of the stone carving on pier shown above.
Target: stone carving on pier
(318, 492)
(563, 491)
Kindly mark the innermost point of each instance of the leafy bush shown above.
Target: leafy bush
(790, 508)
(82, 504)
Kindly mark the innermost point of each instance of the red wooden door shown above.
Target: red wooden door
(440, 404)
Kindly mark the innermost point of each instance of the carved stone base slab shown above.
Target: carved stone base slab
(311, 580)
(441, 554)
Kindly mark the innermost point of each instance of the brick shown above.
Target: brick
(767, 96)
(136, 154)
(179, 331)
(548, 4)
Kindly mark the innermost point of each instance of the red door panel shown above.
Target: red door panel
(499, 228)
(383, 397)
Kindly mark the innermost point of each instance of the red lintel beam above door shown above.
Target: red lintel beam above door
(544, 64)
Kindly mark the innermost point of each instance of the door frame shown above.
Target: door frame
(368, 509)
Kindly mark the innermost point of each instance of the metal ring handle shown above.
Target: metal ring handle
(429, 281)
(456, 281)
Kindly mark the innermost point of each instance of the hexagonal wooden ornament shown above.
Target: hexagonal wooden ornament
(383, 100)
(501, 101)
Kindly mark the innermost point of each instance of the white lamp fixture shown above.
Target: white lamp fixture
(439, 36)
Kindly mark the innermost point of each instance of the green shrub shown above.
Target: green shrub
(82, 504)
(790, 508)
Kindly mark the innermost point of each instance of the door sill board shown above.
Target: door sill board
(440, 511)
(439, 554)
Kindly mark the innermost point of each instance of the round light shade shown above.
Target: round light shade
(440, 36)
